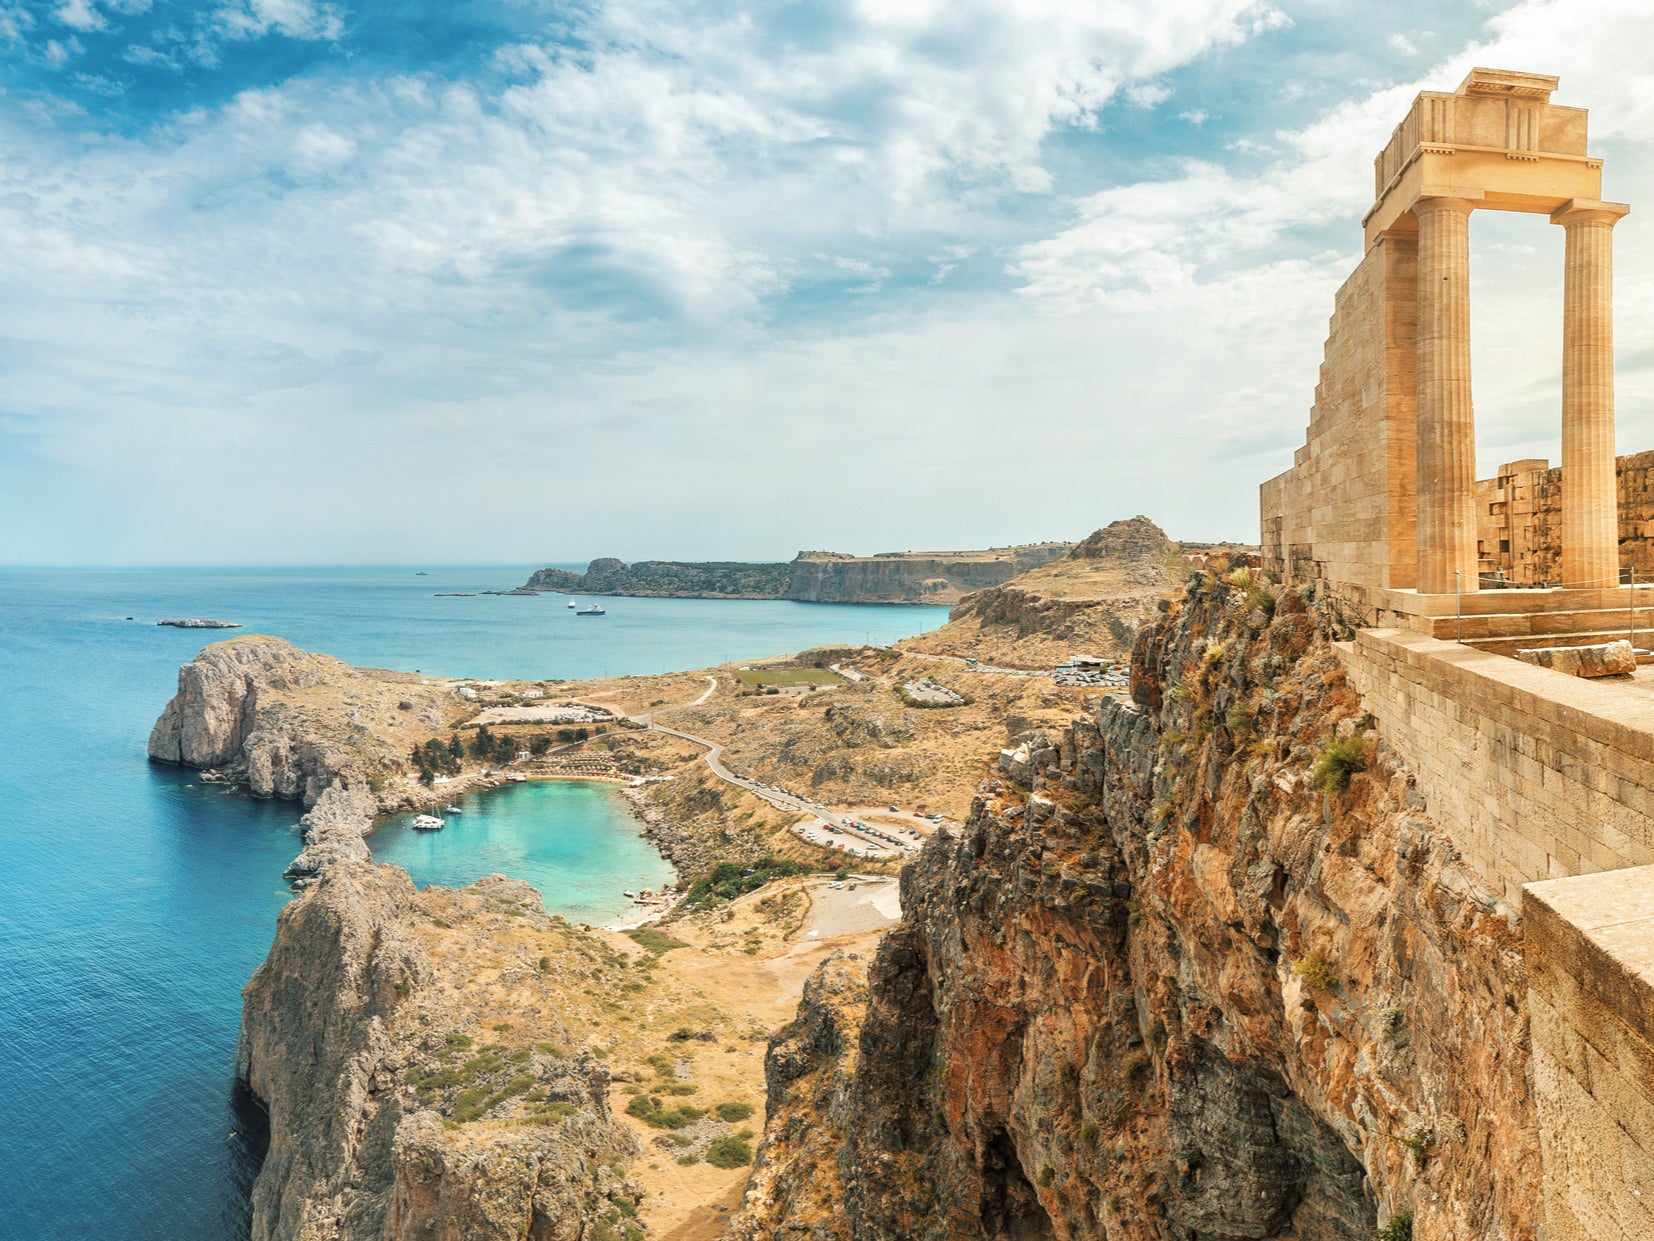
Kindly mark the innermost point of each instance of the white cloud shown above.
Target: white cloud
(82, 15)
(1404, 45)
(590, 261)
(1148, 94)
(297, 19)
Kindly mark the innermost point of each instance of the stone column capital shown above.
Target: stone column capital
(1434, 203)
(1578, 211)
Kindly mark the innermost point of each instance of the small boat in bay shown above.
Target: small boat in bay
(427, 823)
(596, 609)
(452, 810)
(571, 603)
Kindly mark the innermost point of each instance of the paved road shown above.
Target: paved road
(820, 829)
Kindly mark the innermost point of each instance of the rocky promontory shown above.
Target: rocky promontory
(290, 723)
(403, 1104)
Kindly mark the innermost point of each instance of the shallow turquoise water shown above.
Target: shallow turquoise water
(135, 902)
(575, 839)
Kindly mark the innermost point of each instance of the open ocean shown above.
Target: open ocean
(135, 902)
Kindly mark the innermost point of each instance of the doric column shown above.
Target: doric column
(1590, 500)
(1446, 425)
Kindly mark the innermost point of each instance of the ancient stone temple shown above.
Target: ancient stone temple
(1543, 781)
(1383, 493)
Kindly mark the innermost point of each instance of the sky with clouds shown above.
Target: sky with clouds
(295, 281)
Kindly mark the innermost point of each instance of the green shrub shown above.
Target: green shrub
(733, 1112)
(1047, 1174)
(689, 1160)
(1135, 1066)
(647, 1108)
(1340, 758)
(1317, 971)
(654, 940)
(728, 880)
(729, 1151)
(1398, 1227)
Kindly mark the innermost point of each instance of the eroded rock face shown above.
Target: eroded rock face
(216, 708)
(1173, 992)
(290, 723)
(348, 1037)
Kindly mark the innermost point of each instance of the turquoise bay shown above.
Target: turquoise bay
(135, 902)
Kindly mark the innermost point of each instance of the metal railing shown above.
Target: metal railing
(1625, 577)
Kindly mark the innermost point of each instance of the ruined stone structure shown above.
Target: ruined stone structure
(1383, 492)
(1544, 781)
(1519, 522)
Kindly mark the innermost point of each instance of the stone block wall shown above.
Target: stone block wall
(1589, 948)
(1345, 510)
(1519, 519)
(1534, 774)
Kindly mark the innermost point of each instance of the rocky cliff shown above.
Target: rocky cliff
(289, 723)
(395, 1113)
(1200, 967)
(912, 577)
(813, 577)
(1090, 601)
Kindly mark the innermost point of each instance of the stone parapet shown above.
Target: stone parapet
(1534, 774)
(1589, 948)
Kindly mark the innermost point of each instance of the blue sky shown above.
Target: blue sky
(289, 281)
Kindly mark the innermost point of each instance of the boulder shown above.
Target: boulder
(1608, 659)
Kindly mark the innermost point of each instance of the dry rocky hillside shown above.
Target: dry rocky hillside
(1090, 602)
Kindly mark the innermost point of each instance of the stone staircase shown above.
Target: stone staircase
(1503, 622)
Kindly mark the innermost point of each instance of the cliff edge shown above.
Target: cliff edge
(1200, 967)
(290, 723)
(395, 1113)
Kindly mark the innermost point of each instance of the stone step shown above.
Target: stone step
(1535, 624)
(1643, 638)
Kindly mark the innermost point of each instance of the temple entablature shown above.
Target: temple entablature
(1497, 143)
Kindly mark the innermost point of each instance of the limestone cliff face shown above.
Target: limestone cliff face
(291, 723)
(911, 577)
(1161, 987)
(353, 1041)
(813, 577)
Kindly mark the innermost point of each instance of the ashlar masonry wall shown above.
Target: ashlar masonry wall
(1589, 947)
(1345, 510)
(1545, 783)
(1534, 774)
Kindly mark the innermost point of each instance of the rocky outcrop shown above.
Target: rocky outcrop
(333, 832)
(1209, 977)
(357, 1038)
(290, 723)
(1125, 542)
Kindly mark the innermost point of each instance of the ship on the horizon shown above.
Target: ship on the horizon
(596, 609)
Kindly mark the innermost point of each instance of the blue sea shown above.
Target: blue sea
(135, 901)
